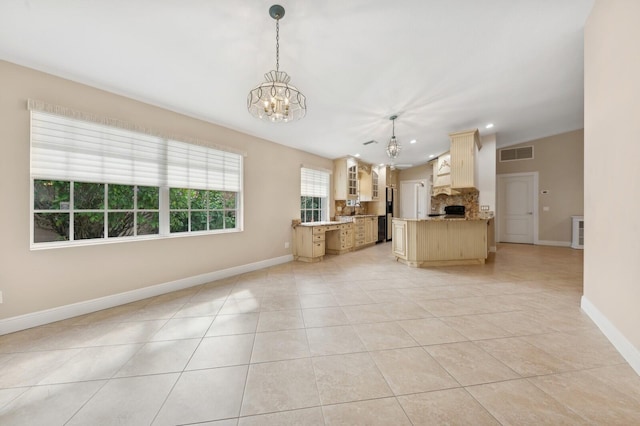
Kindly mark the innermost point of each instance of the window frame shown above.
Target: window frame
(166, 144)
(315, 183)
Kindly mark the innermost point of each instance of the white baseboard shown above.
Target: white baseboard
(23, 322)
(617, 339)
(553, 243)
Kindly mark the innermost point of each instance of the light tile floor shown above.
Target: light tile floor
(356, 339)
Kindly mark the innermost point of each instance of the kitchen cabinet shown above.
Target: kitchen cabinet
(365, 231)
(309, 241)
(464, 156)
(399, 240)
(440, 242)
(340, 241)
(345, 180)
(375, 184)
(369, 183)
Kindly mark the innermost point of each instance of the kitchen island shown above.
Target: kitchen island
(440, 241)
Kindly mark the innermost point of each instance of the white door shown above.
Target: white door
(516, 208)
(413, 200)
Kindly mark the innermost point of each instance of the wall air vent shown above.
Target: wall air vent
(513, 154)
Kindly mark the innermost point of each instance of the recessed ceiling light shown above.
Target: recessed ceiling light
(381, 164)
(357, 155)
(490, 125)
(413, 141)
(431, 156)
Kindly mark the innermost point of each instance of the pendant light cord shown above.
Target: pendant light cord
(278, 44)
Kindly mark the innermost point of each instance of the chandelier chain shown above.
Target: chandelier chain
(278, 44)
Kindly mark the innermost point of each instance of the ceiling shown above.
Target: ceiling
(440, 65)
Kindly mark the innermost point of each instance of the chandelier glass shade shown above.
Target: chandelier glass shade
(276, 100)
(393, 147)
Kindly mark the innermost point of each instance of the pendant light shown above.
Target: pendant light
(275, 100)
(393, 147)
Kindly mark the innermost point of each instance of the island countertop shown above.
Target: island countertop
(443, 219)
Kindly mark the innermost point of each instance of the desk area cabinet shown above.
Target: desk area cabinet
(311, 241)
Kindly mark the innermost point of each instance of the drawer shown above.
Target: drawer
(359, 243)
(318, 249)
(331, 227)
(359, 236)
(318, 237)
(319, 230)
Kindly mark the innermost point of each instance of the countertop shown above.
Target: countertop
(340, 220)
(326, 222)
(443, 219)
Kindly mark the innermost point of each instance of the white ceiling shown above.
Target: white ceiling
(440, 65)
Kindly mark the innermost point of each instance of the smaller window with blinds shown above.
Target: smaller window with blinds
(314, 195)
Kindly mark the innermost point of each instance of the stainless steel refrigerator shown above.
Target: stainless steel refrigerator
(392, 206)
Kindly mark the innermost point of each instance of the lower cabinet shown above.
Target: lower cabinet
(366, 231)
(341, 240)
(308, 243)
(400, 238)
(312, 242)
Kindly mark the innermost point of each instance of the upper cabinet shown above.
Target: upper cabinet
(464, 156)
(369, 182)
(375, 184)
(345, 171)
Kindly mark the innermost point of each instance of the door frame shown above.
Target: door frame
(499, 202)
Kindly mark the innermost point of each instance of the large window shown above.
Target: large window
(314, 195)
(96, 182)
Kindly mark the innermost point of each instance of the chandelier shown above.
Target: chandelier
(393, 147)
(275, 99)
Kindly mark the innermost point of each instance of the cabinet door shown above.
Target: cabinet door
(375, 185)
(463, 157)
(352, 182)
(400, 238)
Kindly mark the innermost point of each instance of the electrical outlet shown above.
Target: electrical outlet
(484, 208)
(286, 244)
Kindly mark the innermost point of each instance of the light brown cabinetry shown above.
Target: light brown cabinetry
(366, 231)
(464, 149)
(420, 242)
(399, 238)
(309, 242)
(341, 240)
(345, 181)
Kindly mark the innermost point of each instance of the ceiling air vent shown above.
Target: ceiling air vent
(513, 154)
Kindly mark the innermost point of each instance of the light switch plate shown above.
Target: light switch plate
(484, 208)
(1, 297)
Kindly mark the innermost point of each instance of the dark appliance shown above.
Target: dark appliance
(454, 212)
(391, 210)
(382, 228)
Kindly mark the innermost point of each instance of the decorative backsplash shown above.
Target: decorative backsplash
(468, 199)
(343, 210)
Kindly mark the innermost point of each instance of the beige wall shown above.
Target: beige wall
(559, 162)
(612, 172)
(36, 280)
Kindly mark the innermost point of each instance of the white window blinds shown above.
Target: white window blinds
(314, 183)
(66, 148)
